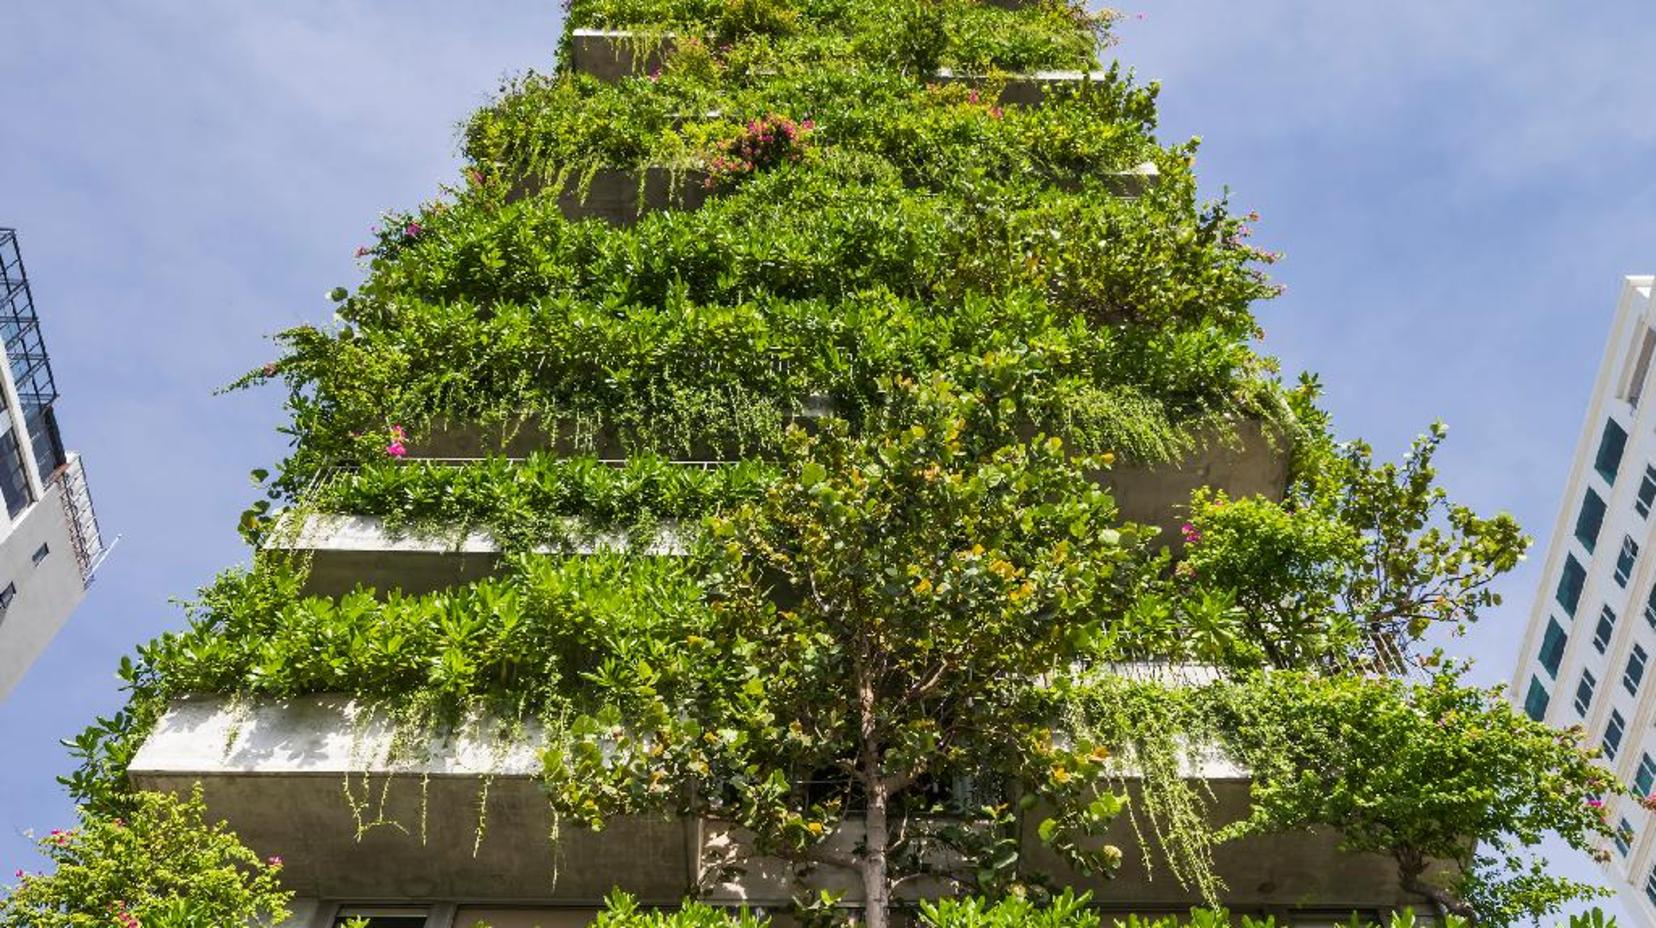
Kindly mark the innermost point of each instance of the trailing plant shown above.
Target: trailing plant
(159, 864)
(543, 501)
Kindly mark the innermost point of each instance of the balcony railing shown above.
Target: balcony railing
(84, 534)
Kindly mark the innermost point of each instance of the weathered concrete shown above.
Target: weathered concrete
(1245, 458)
(347, 551)
(1022, 89)
(611, 55)
(616, 196)
(280, 772)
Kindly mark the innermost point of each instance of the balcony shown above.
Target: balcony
(346, 550)
(320, 782)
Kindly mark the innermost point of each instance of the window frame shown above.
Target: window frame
(1585, 690)
(1633, 673)
(1611, 744)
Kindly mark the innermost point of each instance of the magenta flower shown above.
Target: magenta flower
(412, 230)
(396, 449)
(1595, 803)
(274, 861)
(1190, 533)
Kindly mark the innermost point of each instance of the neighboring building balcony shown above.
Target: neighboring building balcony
(359, 814)
(47, 560)
(348, 549)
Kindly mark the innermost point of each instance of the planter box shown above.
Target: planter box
(279, 771)
(347, 551)
(616, 195)
(611, 55)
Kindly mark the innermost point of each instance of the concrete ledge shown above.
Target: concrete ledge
(616, 196)
(612, 54)
(1023, 89)
(347, 551)
(1242, 459)
(280, 773)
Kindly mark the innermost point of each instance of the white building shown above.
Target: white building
(1592, 630)
(49, 539)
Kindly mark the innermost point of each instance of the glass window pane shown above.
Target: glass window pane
(1590, 520)
(1611, 444)
(1570, 582)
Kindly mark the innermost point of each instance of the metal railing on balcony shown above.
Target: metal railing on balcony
(84, 534)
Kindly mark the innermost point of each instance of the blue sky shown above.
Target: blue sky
(1459, 188)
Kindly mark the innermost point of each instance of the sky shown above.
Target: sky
(1459, 188)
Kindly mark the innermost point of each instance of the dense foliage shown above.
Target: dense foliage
(160, 866)
(869, 395)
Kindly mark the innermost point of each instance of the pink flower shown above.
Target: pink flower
(1190, 533)
(1595, 803)
(20, 874)
(396, 449)
(363, 251)
(994, 112)
(274, 861)
(412, 230)
(397, 432)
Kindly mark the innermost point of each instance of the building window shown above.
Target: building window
(1650, 607)
(1552, 647)
(380, 917)
(40, 554)
(1624, 836)
(1611, 445)
(1590, 520)
(14, 474)
(1605, 631)
(1647, 492)
(1646, 775)
(1624, 561)
(1535, 702)
(1650, 886)
(1570, 583)
(1638, 368)
(1613, 734)
(1635, 670)
(1584, 693)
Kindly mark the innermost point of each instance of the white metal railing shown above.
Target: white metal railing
(84, 534)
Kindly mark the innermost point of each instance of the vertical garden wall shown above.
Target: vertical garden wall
(841, 423)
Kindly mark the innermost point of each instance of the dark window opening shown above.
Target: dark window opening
(1590, 520)
(1552, 647)
(1611, 446)
(1613, 734)
(1570, 583)
(1535, 702)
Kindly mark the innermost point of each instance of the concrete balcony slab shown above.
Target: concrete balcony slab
(347, 551)
(359, 813)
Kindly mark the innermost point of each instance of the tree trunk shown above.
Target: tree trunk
(1410, 866)
(874, 876)
(876, 834)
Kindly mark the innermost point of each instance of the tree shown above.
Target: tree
(159, 865)
(885, 619)
(1430, 772)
